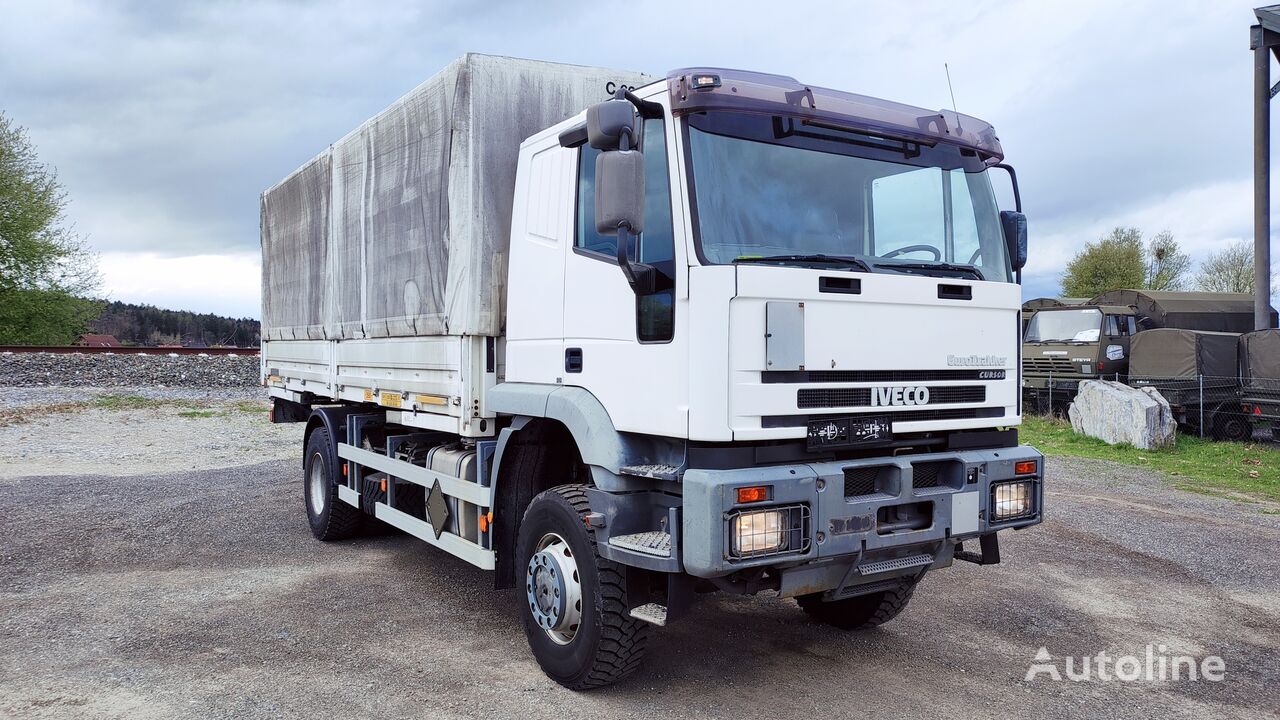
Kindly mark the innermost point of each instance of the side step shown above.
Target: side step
(670, 473)
(655, 543)
(902, 563)
(652, 613)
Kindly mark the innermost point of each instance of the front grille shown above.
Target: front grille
(859, 481)
(784, 421)
(807, 398)
(1038, 365)
(876, 376)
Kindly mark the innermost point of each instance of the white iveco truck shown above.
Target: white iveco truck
(624, 340)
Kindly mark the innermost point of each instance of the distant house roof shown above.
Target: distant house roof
(89, 340)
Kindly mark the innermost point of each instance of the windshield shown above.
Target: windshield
(1065, 326)
(768, 186)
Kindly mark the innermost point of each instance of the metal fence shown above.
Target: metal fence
(1211, 406)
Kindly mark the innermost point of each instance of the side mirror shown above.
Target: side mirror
(1014, 225)
(620, 210)
(611, 125)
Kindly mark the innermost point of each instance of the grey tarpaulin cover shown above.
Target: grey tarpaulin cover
(1171, 353)
(401, 227)
(1260, 359)
(1219, 312)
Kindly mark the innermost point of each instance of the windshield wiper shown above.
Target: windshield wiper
(946, 267)
(819, 258)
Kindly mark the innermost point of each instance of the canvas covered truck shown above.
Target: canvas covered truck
(625, 339)
(1197, 372)
(1260, 379)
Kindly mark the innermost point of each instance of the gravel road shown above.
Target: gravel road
(200, 593)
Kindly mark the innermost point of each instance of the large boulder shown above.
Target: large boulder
(1118, 414)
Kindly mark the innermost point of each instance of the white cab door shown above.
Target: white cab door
(630, 352)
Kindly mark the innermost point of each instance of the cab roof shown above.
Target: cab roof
(709, 88)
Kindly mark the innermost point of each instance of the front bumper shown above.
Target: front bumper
(873, 510)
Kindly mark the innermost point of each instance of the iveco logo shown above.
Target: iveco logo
(900, 396)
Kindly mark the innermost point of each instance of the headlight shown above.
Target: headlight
(757, 532)
(1012, 500)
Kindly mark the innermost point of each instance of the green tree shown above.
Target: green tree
(1228, 270)
(1167, 265)
(1120, 259)
(46, 270)
(1114, 261)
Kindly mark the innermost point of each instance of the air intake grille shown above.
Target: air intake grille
(859, 481)
(1048, 365)
(877, 376)
(927, 474)
(781, 421)
(807, 398)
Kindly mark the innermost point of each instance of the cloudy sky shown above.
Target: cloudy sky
(166, 119)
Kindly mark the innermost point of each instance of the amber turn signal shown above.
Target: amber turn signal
(756, 493)
(1024, 467)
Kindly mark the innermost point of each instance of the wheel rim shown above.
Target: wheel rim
(553, 589)
(318, 484)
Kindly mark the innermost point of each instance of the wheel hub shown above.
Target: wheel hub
(554, 590)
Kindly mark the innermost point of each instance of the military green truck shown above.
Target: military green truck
(1063, 346)
(1196, 371)
(1260, 379)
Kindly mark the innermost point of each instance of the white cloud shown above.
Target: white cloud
(228, 284)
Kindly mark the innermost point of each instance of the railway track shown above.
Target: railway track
(131, 350)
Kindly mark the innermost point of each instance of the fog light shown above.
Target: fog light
(757, 532)
(1012, 500)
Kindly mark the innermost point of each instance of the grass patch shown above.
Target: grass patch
(199, 413)
(1200, 465)
(123, 402)
(250, 406)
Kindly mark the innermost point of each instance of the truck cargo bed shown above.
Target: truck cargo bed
(436, 383)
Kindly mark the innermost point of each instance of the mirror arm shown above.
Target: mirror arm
(1013, 178)
(624, 260)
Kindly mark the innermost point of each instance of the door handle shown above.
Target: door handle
(573, 360)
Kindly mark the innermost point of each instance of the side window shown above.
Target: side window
(655, 314)
(1133, 325)
(1113, 328)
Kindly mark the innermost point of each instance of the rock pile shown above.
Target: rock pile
(110, 370)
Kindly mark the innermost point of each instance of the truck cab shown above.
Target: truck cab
(1064, 346)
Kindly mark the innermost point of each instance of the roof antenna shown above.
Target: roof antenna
(953, 97)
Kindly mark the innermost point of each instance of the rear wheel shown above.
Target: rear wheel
(858, 613)
(329, 517)
(1231, 425)
(575, 606)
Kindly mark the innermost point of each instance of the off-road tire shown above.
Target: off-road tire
(609, 644)
(1231, 426)
(335, 520)
(859, 613)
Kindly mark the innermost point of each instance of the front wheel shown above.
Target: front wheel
(859, 613)
(575, 606)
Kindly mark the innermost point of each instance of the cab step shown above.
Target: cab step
(655, 543)
(902, 563)
(670, 473)
(652, 613)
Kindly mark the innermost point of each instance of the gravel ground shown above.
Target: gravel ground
(109, 370)
(180, 429)
(200, 593)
